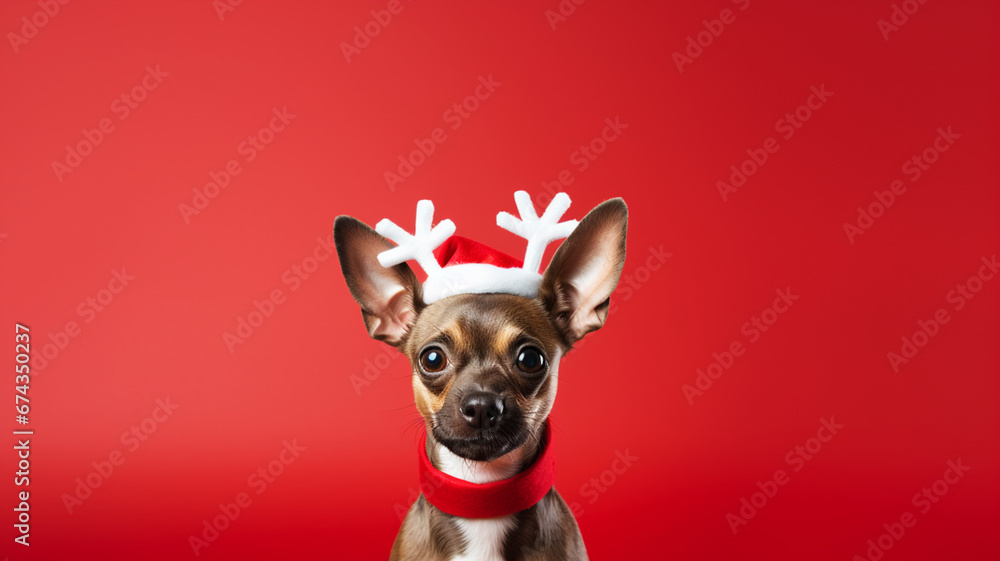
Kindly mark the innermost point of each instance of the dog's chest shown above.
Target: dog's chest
(484, 537)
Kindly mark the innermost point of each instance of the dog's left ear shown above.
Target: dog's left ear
(577, 285)
(390, 297)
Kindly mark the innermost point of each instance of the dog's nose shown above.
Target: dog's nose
(482, 410)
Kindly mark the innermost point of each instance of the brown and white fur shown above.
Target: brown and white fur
(477, 382)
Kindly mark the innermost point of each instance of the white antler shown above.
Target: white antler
(539, 232)
(421, 245)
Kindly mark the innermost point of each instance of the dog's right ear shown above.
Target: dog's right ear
(577, 285)
(390, 297)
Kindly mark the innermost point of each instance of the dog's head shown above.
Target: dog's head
(485, 366)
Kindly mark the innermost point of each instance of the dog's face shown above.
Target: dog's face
(484, 371)
(485, 366)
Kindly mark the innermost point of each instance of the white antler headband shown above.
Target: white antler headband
(421, 245)
(539, 232)
(478, 278)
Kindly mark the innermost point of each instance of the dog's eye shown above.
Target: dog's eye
(530, 360)
(433, 360)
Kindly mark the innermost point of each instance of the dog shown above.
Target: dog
(484, 347)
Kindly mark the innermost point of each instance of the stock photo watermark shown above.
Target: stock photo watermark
(365, 33)
(455, 116)
(922, 501)
(582, 157)
(31, 25)
(223, 7)
(899, 15)
(631, 283)
(786, 126)
(87, 310)
(248, 149)
(913, 168)
(22, 478)
(132, 439)
(373, 368)
(22, 450)
(696, 44)
(634, 280)
(122, 106)
(560, 14)
(958, 297)
(258, 481)
(292, 278)
(796, 459)
(599, 484)
(592, 490)
(753, 329)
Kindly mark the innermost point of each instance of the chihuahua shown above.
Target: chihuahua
(485, 356)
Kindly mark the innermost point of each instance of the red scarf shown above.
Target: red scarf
(499, 498)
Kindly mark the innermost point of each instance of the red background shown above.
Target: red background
(622, 389)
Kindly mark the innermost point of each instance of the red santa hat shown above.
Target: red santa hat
(457, 265)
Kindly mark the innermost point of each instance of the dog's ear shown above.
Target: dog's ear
(390, 297)
(577, 285)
